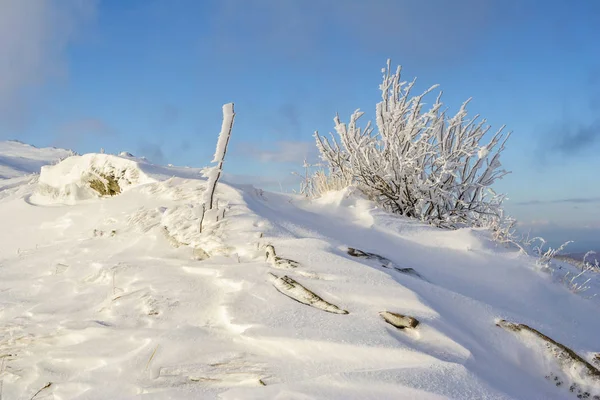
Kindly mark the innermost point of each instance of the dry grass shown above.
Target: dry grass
(105, 185)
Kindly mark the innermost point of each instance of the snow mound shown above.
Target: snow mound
(89, 176)
(367, 213)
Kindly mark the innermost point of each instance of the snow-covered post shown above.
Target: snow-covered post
(214, 173)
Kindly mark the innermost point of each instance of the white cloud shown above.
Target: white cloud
(435, 30)
(264, 181)
(33, 37)
(72, 132)
(284, 152)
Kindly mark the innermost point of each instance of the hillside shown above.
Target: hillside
(577, 258)
(113, 297)
(19, 159)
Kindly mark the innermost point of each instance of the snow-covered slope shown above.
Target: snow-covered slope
(113, 298)
(20, 162)
(18, 159)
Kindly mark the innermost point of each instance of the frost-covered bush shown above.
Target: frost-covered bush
(545, 256)
(418, 162)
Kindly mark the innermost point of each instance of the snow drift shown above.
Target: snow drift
(89, 176)
(97, 302)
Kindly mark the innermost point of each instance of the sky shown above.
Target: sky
(150, 77)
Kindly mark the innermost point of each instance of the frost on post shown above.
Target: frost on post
(214, 173)
(418, 162)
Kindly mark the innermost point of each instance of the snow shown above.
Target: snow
(19, 159)
(106, 298)
(228, 116)
(483, 152)
(68, 181)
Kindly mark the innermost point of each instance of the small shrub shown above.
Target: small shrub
(419, 163)
(105, 184)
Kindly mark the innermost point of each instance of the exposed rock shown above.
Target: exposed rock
(564, 355)
(409, 271)
(199, 254)
(296, 291)
(278, 262)
(270, 253)
(363, 254)
(385, 262)
(398, 320)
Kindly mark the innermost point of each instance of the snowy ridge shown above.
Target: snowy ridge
(96, 299)
(19, 159)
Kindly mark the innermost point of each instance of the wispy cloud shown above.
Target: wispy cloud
(272, 182)
(571, 138)
(283, 152)
(33, 38)
(291, 116)
(431, 30)
(72, 133)
(574, 200)
(152, 151)
(184, 146)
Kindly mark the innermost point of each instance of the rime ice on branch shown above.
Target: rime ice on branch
(420, 163)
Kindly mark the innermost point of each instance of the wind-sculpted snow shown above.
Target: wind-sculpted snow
(96, 300)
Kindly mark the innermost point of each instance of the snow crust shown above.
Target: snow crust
(105, 299)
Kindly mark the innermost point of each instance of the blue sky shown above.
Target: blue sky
(150, 76)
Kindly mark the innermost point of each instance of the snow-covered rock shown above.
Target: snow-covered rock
(88, 176)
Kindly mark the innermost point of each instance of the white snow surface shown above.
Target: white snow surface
(96, 299)
(19, 159)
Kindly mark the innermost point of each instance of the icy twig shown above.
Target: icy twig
(38, 392)
(151, 357)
